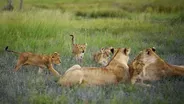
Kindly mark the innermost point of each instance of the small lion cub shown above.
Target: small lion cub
(42, 61)
(78, 50)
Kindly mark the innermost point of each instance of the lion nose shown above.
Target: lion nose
(83, 51)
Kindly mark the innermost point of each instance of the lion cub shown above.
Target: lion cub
(103, 56)
(78, 50)
(42, 61)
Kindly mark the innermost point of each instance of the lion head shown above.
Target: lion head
(102, 57)
(55, 57)
(143, 59)
(122, 58)
(79, 50)
(82, 48)
(147, 56)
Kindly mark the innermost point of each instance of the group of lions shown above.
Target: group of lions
(147, 66)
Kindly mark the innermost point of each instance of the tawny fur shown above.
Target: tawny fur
(103, 56)
(42, 61)
(78, 50)
(116, 71)
(149, 66)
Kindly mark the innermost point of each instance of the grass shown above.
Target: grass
(44, 27)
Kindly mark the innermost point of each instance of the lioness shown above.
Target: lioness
(117, 70)
(149, 66)
(78, 50)
(102, 57)
(42, 61)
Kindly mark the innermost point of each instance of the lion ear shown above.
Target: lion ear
(55, 54)
(127, 51)
(153, 49)
(102, 50)
(112, 50)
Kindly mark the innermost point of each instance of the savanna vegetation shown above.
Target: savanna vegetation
(44, 26)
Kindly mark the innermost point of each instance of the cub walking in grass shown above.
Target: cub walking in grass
(42, 61)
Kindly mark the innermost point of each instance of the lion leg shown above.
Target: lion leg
(17, 67)
(144, 85)
(80, 60)
(76, 59)
(140, 81)
(20, 63)
(133, 80)
(81, 79)
(53, 71)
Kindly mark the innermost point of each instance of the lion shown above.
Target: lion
(148, 66)
(78, 50)
(103, 56)
(42, 61)
(116, 71)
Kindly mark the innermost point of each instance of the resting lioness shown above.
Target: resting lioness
(42, 61)
(117, 70)
(149, 66)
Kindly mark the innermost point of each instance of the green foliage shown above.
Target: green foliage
(62, 100)
(41, 99)
(107, 8)
(102, 12)
(44, 27)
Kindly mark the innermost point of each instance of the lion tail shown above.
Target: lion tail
(6, 49)
(73, 42)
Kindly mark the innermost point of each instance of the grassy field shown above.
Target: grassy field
(44, 26)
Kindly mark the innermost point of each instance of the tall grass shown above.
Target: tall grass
(95, 8)
(48, 30)
(99, 24)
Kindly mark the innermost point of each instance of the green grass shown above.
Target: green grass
(44, 27)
